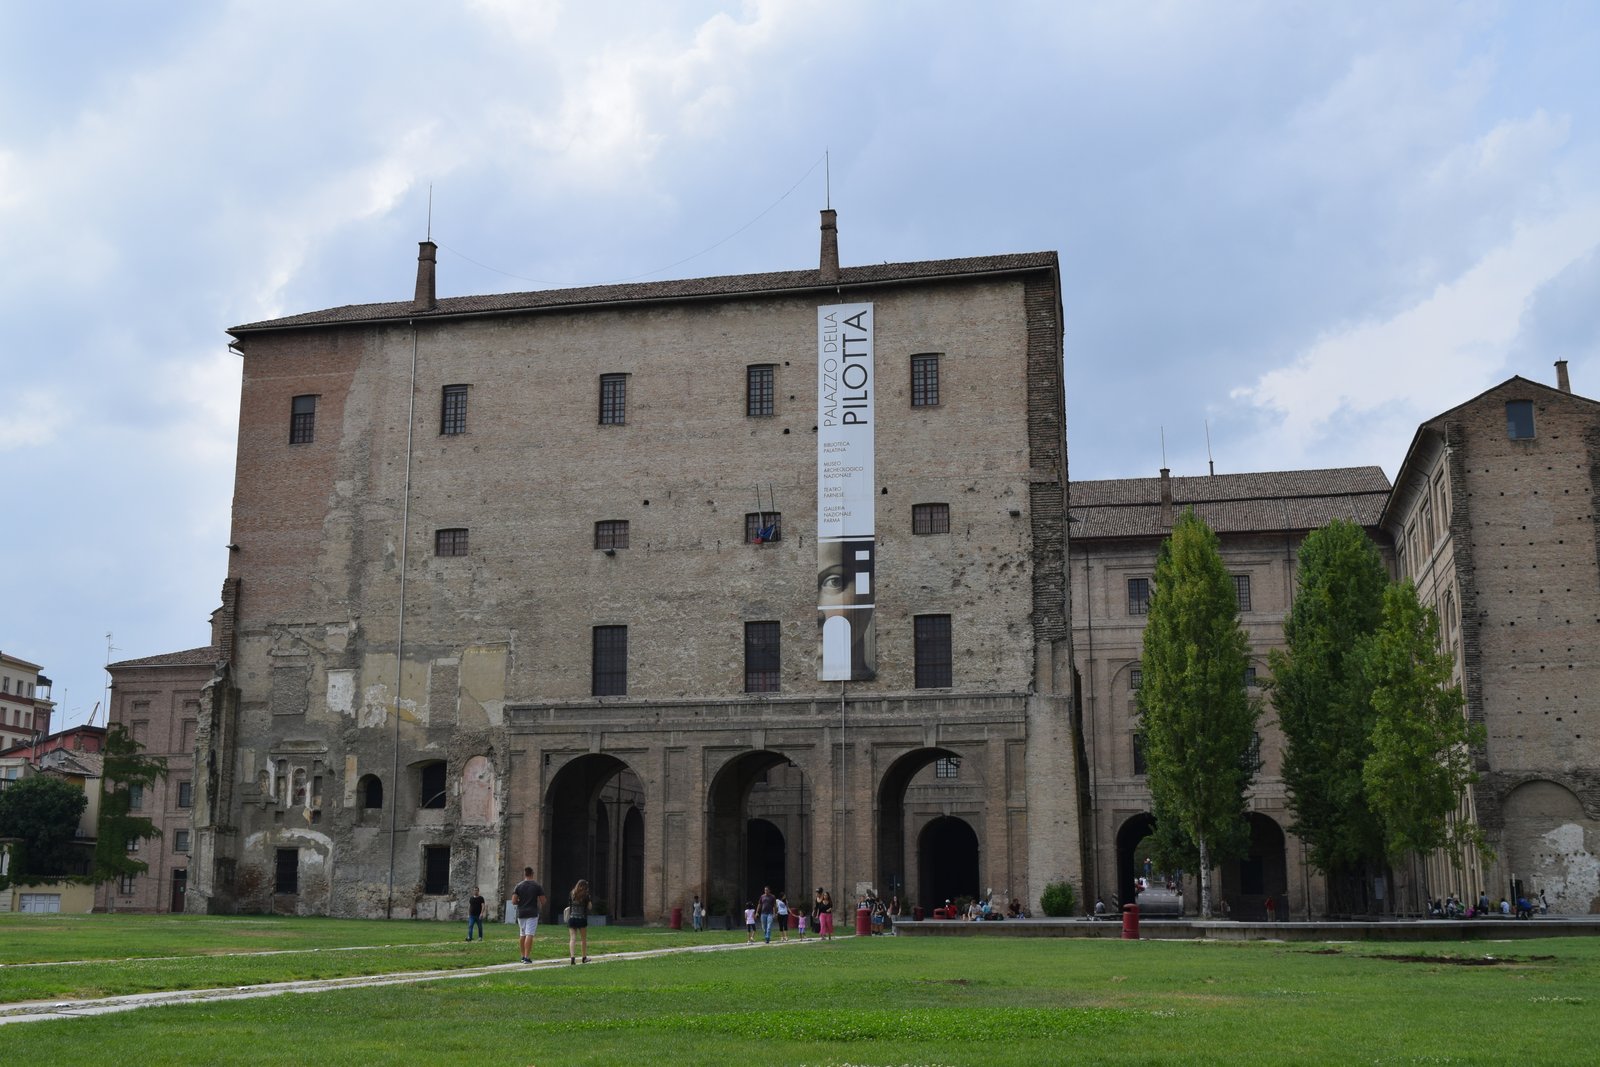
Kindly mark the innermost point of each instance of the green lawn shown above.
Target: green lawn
(856, 1001)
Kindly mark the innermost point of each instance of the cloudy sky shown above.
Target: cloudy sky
(1310, 225)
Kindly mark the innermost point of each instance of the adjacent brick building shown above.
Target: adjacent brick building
(534, 579)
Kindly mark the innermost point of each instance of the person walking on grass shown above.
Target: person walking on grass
(475, 913)
(529, 898)
(697, 913)
(766, 913)
(783, 917)
(578, 919)
(824, 914)
(749, 921)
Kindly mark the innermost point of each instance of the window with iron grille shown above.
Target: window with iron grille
(761, 658)
(613, 399)
(1139, 766)
(611, 533)
(932, 638)
(1241, 591)
(758, 389)
(947, 767)
(1135, 678)
(610, 664)
(762, 526)
(1138, 596)
(925, 380)
(302, 420)
(930, 518)
(453, 410)
(185, 794)
(450, 542)
(1251, 761)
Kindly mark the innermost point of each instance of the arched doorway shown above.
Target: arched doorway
(594, 829)
(947, 861)
(1262, 873)
(1131, 853)
(921, 785)
(758, 831)
(1550, 845)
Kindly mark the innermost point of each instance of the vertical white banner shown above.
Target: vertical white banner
(846, 531)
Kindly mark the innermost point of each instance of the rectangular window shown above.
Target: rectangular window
(932, 638)
(453, 410)
(947, 767)
(611, 533)
(180, 841)
(125, 884)
(1241, 591)
(925, 380)
(613, 399)
(1139, 765)
(761, 659)
(1138, 596)
(135, 796)
(930, 518)
(302, 420)
(1519, 419)
(1251, 761)
(133, 844)
(436, 869)
(762, 526)
(610, 665)
(288, 871)
(185, 794)
(1249, 677)
(450, 542)
(1135, 678)
(758, 389)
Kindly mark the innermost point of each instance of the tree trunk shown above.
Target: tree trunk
(1205, 878)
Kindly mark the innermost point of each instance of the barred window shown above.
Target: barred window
(1135, 678)
(1251, 761)
(761, 657)
(453, 410)
(925, 380)
(451, 542)
(758, 389)
(933, 660)
(303, 420)
(762, 526)
(1241, 591)
(610, 661)
(613, 399)
(611, 533)
(947, 767)
(930, 518)
(1138, 596)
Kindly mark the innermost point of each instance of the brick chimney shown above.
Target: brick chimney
(830, 246)
(1562, 381)
(1166, 496)
(427, 255)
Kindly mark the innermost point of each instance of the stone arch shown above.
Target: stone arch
(589, 806)
(1131, 850)
(911, 793)
(759, 824)
(1263, 872)
(947, 861)
(1550, 844)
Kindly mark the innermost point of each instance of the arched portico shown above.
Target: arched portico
(1263, 872)
(1131, 853)
(595, 830)
(759, 823)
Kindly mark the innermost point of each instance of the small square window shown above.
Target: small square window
(1519, 419)
(611, 534)
(930, 518)
(925, 380)
(610, 662)
(1241, 591)
(931, 635)
(947, 767)
(613, 399)
(1138, 596)
(133, 844)
(180, 841)
(185, 794)
(758, 390)
(450, 542)
(453, 410)
(303, 420)
(761, 657)
(762, 526)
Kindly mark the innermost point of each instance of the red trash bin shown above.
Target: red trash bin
(1130, 922)
(863, 921)
(916, 913)
(677, 918)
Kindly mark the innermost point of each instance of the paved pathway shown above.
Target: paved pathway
(42, 1010)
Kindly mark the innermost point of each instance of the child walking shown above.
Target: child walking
(749, 921)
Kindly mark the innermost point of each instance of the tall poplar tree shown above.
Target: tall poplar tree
(1420, 765)
(1197, 715)
(1324, 704)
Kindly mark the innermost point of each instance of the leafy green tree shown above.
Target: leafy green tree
(1324, 703)
(125, 770)
(1420, 762)
(1197, 715)
(42, 813)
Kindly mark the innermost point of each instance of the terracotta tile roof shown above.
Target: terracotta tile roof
(1230, 503)
(193, 657)
(645, 292)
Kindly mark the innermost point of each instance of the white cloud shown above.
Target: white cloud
(34, 419)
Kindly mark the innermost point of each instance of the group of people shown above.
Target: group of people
(529, 899)
(1452, 908)
(772, 911)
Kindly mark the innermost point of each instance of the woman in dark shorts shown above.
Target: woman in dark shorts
(578, 919)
